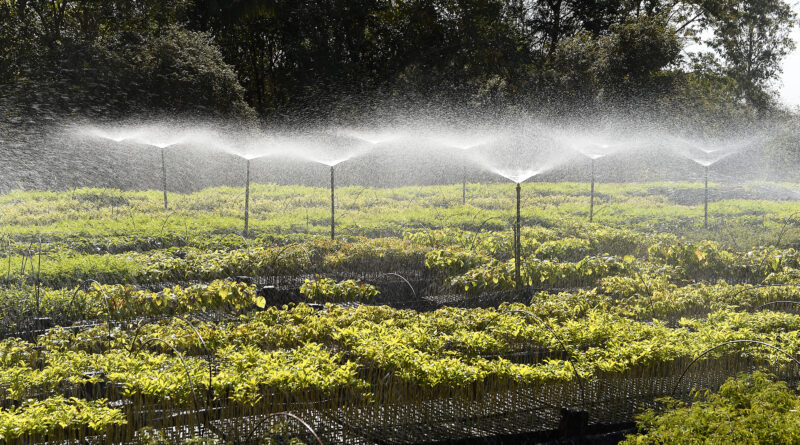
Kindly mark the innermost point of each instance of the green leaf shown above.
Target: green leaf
(261, 302)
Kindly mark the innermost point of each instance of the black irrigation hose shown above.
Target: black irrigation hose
(8, 253)
(27, 255)
(291, 416)
(420, 304)
(289, 247)
(38, 278)
(549, 328)
(210, 362)
(482, 230)
(785, 226)
(708, 351)
(246, 241)
(200, 422)
(108, 307)
(784, 229)
(760, 286)
(404, 279)
(135, 337)
(791, 302)
(185, 225)
(133, 221)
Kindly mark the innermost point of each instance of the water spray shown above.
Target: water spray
(247, 200)
(705, 157)
(330, 150)
(590, 148)
(140, 136)
(518, 177)
(464, 144)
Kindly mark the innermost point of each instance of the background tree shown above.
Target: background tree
(298, 60)
(752, 37)
(107, 59)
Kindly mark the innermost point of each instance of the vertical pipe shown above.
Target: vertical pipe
(38, 277)
(591, 196)
(517, 247)
(464, 184)
(333, 220)
(247, 200)
(164, 176)
(705, 202)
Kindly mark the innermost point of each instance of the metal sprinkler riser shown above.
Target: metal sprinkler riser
(705, 200)
(517, 246)
(591, 195)
(164, 176)
(247, 200)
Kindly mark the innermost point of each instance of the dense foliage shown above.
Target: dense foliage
(322, 58)
(123, 314)
(751, 409)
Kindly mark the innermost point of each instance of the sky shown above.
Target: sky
(790, 85)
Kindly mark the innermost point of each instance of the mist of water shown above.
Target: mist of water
(154, 135)
(515, 149)
(709, 152)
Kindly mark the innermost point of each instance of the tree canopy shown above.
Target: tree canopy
(314, 60)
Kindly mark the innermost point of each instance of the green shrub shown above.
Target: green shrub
(750, 409)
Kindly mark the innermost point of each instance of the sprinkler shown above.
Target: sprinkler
(322, 152)
(517, 247)
(247, 199)
(592, 158)
(333, 220)
(705, 200)
(591, 196)
(706, 157)
(518, 177)
(464, 145)
(164, 176)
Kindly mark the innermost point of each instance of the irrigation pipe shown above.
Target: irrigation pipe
(570, 356)
(761, 286)
(185, 225)
(402, 278)
(189, 377)
(731, 342)
(777, 302)
(291, 416)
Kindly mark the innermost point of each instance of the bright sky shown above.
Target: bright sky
(789, 84)
(790, 88)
